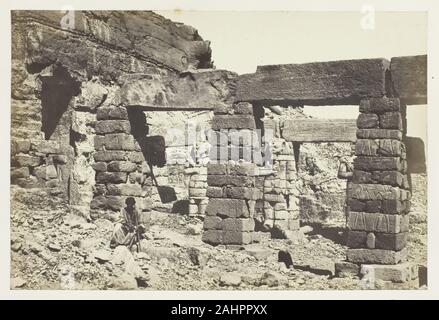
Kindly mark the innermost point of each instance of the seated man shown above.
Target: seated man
(127, 230)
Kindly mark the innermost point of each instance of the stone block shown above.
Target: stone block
(212, 222)
(134, 190)
(390, 147)
(379, 134)
(45, 146)
(382, 147)
(394, 206)
(280, 206)
(197, 184)
(119, 141)
(19, 173)
(242, 169)
(319, 130)
(99, 202)
(233, 122)
(317, 83)
(20, 146)
(197, 192)
(395, 273)
(217, 169)
(376, 256)
(379, 105)
(373, 192)
(391, 120)
(391, 241)
(212, 236)
(392, 178)
(122, 166)
(218, 138)
(107, 113)
(111, 177)
(238, 224)
(274, 197)
(377, 163)
(193, 209)
(217, 180)
(112, 126)
(99, 166)
(242, 108)
(237, 181)
(377, 222)
(218, 154)
(25, 160)
(367, 121)
(356, 205)
(133, 156)
(356, 239)
(233, 208)
(373, 206)
(214, 192)
(242, 193)
(107, 156)
(366, 147)
(281, 215)
(235, 237)
(344, 269)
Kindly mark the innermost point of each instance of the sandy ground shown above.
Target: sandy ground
(53, 249)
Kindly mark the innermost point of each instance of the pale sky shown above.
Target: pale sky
(242, 40)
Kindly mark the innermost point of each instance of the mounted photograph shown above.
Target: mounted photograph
(218, 150)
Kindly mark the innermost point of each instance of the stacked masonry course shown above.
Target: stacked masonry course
(231, 178)
(120, 167)
(281, 201)
(379, 195)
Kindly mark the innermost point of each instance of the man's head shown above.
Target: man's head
(130, 202)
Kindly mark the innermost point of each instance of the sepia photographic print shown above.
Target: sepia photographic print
(218, 150)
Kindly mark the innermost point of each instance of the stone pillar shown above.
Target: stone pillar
(197, 190)
(379, 194)
(231, 178)
(121, 170)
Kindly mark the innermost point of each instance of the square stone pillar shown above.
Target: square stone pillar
(120, 165)
(231, 178)
(379, 194)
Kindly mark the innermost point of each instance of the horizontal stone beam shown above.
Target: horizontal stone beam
(197, 90)
(318, 83)
(409, 77)
(320, 130)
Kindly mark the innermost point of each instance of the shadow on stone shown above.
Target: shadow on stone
(167, 194)
(181, 206)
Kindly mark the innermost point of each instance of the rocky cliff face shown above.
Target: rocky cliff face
(65, 79)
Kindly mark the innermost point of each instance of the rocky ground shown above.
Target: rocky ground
(52, 248)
